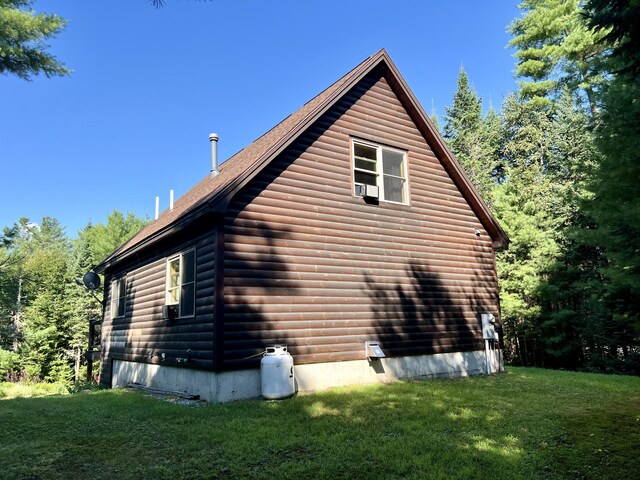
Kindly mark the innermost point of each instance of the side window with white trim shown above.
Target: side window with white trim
(181, 283)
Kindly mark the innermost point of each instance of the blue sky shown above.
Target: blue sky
(132, 121)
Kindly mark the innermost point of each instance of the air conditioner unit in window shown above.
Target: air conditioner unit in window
(367, 191)
(169, 312)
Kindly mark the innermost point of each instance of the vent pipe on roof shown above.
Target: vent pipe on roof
(213, 138)
(171, 200)
(157, 207)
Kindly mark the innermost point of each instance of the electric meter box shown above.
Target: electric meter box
(488, 329)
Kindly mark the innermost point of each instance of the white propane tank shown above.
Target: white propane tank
(276, 371)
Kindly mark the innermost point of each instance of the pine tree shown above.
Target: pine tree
(586, 289)
(23, 34)
(44, 313)
(16, 248)
(464, 116)
(470, 137)
(522, 206)
(491, 140)
(44, 297)
(615, 182)
(80, 306)
(556, 49)
(571, 311)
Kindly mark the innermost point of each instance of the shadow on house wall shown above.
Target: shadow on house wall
(142, 335)
(258, 285)
(428, 314)
(262, 290)
(250, 323)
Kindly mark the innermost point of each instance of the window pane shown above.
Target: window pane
(121, 305)
(173, 273)
(115, 295)
(393, 163)
(122, 289)
(364, 151)
(122, 292)
(366, 165)
(188, 266)
(187, 303)
(393, 189)
(365, 178)
(173, 296)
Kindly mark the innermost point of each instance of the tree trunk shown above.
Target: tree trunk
(76, 373)
(17, 318)
(525, 353)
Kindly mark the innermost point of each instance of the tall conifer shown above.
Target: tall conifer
(468, 136)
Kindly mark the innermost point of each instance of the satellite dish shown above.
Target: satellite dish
(91, 280)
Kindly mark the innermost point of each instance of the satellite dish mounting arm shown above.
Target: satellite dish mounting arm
(91, 280)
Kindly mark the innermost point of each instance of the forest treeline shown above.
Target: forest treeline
(44, 309)
(559, 166)
(557, 162)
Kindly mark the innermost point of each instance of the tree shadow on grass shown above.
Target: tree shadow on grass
(412, 430)
(497, 427)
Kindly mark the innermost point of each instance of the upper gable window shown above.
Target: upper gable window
(181, 283)
(383, 167)
(118, 297)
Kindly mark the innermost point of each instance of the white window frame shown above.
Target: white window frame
(379, 172)
(118, 296)
(181, 284)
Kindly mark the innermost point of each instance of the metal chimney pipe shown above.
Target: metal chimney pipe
(171, 199)
(213, 138)
(157, 207)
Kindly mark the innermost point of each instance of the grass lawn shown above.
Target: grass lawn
(527, 423)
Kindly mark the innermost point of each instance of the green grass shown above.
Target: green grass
(10, 391)
(527, 423)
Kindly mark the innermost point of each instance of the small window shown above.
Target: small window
(118, 297)
(383, 167)
(181, 283)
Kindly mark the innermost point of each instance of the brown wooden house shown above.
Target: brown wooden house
(350, 221)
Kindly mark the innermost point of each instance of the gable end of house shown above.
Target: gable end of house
(212, 195)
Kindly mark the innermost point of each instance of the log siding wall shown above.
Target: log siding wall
(308, 264)
(142, 335)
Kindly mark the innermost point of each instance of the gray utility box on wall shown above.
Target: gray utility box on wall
(373, 350)
(488, 328)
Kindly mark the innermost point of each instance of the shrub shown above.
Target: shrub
(60, 371)
(9, 363)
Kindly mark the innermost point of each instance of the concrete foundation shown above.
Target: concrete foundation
(245, 384)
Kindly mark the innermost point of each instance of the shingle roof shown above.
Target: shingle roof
(213, 193)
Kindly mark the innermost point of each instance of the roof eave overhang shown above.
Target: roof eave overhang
(177, 226)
